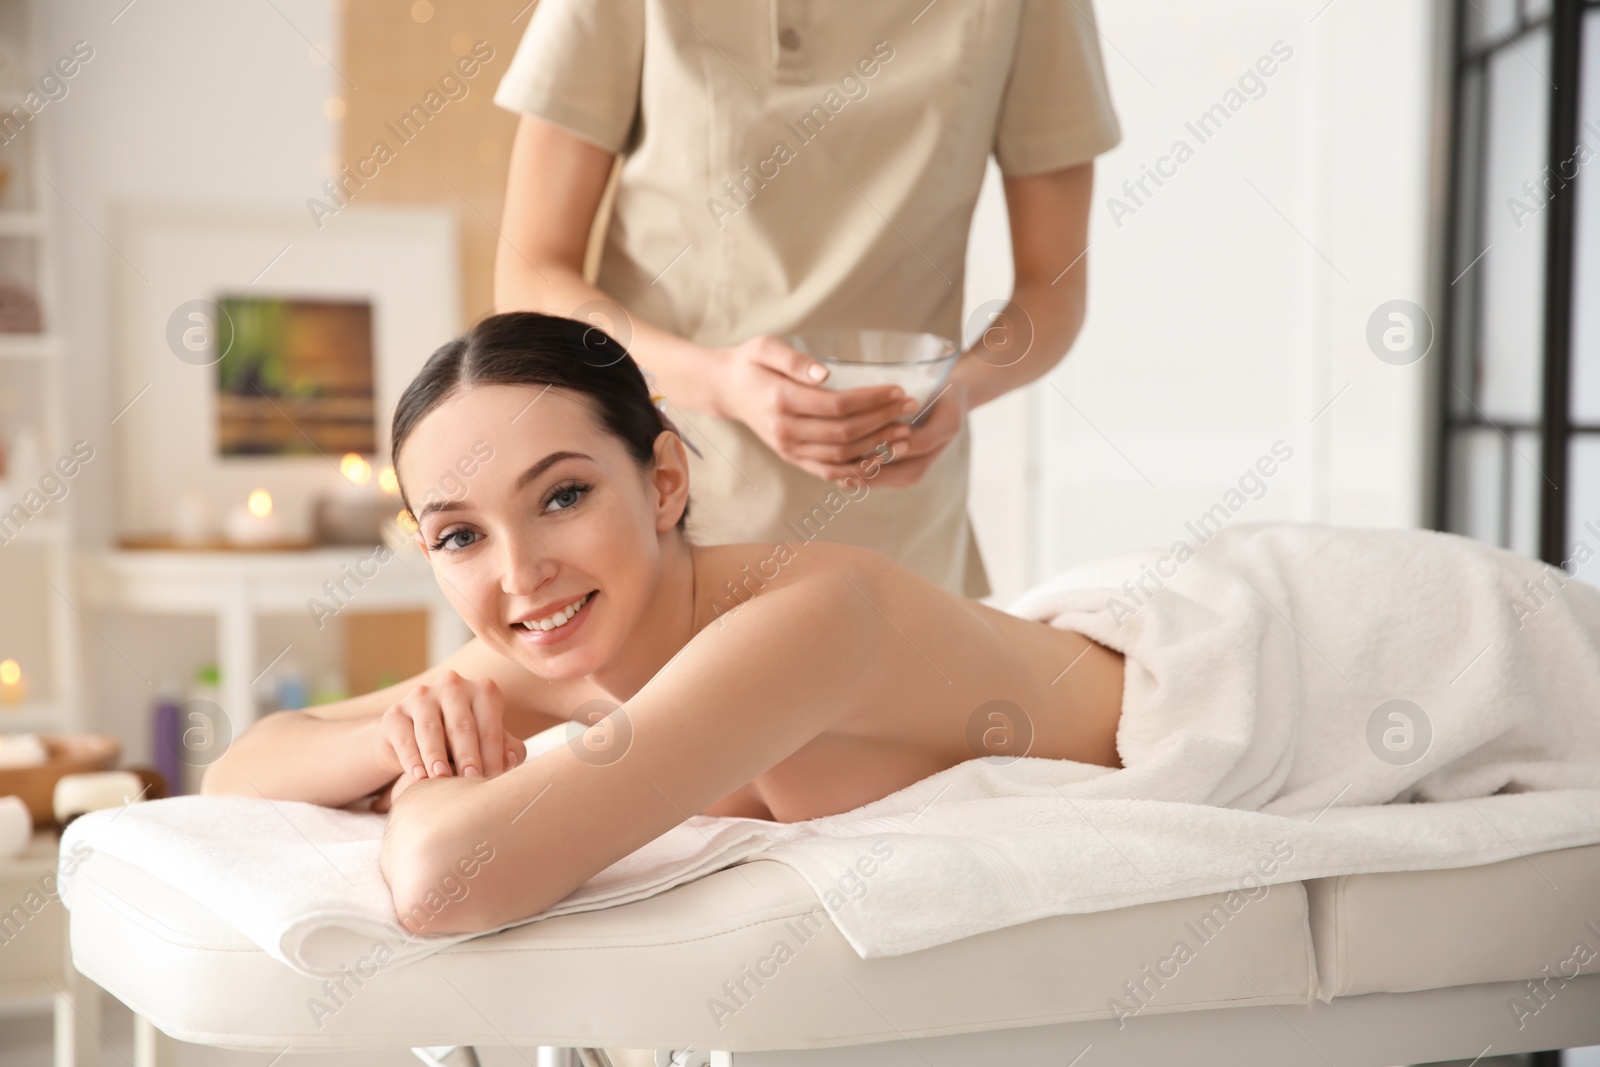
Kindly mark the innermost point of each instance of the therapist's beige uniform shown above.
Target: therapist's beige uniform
(806, 164)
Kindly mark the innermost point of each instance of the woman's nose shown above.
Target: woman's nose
(523, 569)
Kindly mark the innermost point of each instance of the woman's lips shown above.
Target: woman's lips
(559, 633)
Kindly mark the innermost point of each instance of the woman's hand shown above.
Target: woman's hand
(772, 388)
(455, 726)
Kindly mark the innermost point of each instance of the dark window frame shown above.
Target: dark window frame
(1556, 426)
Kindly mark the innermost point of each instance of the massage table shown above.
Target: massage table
(1363, 970)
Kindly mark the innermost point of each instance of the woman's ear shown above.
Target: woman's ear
(670, 476)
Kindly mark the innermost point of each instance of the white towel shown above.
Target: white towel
(303, 882)
(1256, 738)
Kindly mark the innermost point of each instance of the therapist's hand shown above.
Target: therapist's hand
(931, 432)
(771, 388)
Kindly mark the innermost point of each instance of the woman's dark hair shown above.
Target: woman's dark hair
(531, 348)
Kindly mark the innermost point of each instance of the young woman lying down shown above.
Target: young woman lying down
(780, 682)
(775, 682)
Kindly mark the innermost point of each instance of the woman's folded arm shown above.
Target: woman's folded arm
(335, 754)
(299, 755)
(737, 700)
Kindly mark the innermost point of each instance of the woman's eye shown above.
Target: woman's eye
(449, 540)
(566, 497)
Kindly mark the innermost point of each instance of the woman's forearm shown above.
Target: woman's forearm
(290, 755)
(684, 371)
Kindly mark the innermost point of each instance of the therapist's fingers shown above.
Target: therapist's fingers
(838, 460)
(922, 440)
(931, 431)
(767, 351)
(488, 708)
(902, 470)
(879, 423)
(795, 398)
(850, 451)
(460, 725)
(843, 429)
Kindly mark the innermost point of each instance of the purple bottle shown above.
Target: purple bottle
(166, 741)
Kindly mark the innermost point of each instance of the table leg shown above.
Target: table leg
(236, 656)
(77, 1023)
(151, 1048)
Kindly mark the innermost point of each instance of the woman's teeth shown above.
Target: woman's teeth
(559, 618)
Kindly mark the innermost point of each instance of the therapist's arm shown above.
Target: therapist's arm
(1049, 251)
(1049, 243)
(553, 192)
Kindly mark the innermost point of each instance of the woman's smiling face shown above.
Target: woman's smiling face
(559, 524)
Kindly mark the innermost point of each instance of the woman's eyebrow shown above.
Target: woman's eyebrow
(522, 479)
(544, 464)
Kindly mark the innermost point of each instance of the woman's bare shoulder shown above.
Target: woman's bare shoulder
(734, 575)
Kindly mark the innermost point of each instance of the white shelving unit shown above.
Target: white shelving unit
(238, 589)
(31, 388)
(38, 587)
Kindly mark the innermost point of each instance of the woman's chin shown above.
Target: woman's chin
(557, 663)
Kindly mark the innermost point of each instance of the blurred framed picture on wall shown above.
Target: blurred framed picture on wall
(296, 376)
(259, 352)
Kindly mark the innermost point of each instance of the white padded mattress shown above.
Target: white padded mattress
(745, 959)
(742, 959)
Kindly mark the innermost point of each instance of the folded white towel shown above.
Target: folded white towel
(303, 881)
(1256, 738)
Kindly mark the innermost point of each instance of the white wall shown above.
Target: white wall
(184, 102)
(1230, 308)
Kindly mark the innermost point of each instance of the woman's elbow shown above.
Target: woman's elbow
(441, 888)
(230, 774)
(218, 779)
(442, 879)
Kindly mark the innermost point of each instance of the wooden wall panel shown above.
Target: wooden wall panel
(393, 53)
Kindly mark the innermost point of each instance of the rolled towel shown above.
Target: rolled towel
(22, 750)
(16, 826)
(79, 794)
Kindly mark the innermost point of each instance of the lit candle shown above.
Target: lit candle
(254, 522)
(13, 690)
(400, 531)
(357, 477)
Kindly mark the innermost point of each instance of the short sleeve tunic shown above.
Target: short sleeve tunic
(808, 164)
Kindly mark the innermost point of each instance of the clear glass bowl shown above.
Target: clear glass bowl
(919, 363)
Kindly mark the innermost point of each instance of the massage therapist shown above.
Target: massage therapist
(795, 165)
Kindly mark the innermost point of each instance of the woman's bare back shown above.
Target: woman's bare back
(954, 680)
